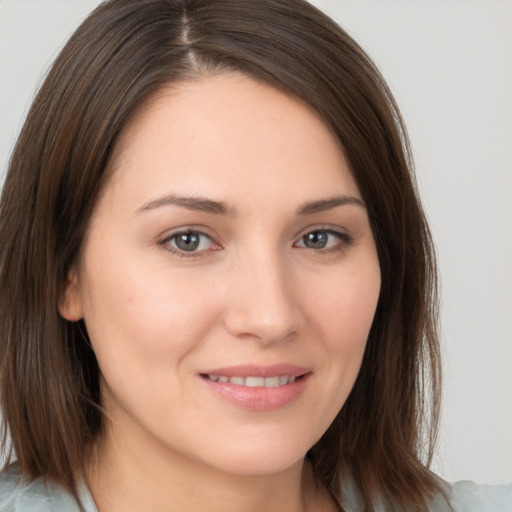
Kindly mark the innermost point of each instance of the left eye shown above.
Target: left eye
(190, 241)
(320, 239)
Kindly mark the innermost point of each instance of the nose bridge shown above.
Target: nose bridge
(263, 303)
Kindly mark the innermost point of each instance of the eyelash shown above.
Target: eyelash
(344, 242)
(166, 243)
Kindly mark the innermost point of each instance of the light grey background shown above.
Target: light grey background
(449, 63)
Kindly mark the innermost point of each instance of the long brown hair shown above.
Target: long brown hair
(381, 442)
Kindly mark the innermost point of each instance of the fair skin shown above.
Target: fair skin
(230, 244)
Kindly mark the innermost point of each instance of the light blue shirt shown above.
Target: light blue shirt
(38, 496)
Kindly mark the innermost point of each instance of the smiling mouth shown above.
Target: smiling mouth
(258, 388)
(254, 381)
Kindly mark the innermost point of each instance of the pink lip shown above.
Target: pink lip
(258, 398)
(259, 371)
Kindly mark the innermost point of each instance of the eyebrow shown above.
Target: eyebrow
(328, 204)
(201, 204)
(198, 204)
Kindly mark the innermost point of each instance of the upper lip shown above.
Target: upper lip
(251, 370)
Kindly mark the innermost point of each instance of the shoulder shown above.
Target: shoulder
(463, 496)
(468, 496)
(36, 496)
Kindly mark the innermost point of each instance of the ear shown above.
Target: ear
(70, 304)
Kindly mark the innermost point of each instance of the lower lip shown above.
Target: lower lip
(260, 398)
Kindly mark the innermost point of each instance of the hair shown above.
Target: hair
(381, 443)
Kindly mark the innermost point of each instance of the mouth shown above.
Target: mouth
(254, 381)
(258, 388)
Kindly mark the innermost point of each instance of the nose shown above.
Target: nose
(263, 301)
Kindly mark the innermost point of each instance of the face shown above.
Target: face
(229, 278)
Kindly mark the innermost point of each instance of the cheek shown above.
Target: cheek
(345, 306)
(148, 320)
(343, 318)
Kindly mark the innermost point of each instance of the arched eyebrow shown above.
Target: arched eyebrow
(328, 204)
(198, 204)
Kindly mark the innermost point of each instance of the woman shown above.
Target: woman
(218, 286)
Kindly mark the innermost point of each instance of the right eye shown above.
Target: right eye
(189, 242)
(324, 240)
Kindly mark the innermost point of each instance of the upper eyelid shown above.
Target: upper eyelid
(342, 236)
(165, 243)
(339, 230)
(324, 230)
(202, 230)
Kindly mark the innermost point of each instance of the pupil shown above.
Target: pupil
(187, 241)
(316, 240)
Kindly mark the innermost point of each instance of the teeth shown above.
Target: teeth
(271, 382)
(254, 381)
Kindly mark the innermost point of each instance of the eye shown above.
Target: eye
(189, 241)
(324, 239)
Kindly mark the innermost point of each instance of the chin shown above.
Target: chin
(259, 458)
(259, 466)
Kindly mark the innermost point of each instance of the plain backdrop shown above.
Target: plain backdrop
(449, 64)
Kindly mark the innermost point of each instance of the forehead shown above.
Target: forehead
(200, 135)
